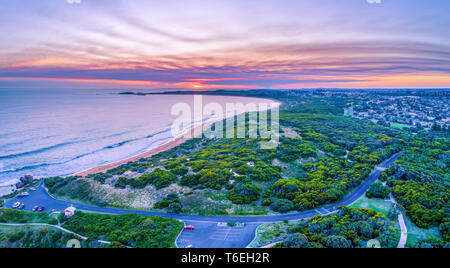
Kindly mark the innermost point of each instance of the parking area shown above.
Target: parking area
(215, 235)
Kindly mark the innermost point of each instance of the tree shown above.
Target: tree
(296, 240)
(244, 193)
(336, 241)
(175, 208)
(378, 190)
(282, 205)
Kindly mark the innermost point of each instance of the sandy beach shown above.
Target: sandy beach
(164, 147)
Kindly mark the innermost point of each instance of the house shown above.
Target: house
(70, 211)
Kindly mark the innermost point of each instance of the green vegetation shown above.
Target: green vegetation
(38, 237)
(282, 205)
(328, 156)
(378, 205)
(267, 234)
(349, 228)
(159, 178)
(244, 193)
(74, 188)
(212, 178)
(420, 182)
(18, 216)
(129, 229)
(172, 203)
(378, 190)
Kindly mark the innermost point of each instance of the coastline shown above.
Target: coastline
(161, 148)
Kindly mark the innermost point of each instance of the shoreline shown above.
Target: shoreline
(174, 142)
(161, 148)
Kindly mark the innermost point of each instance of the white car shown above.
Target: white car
(16, 205)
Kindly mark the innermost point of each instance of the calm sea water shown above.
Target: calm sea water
(48, 133)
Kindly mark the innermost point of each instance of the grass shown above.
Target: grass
(9, 229)
(37, 237)
(379, 205)
(415, 233)
(18, 216)
(399, 126)
(270, 233)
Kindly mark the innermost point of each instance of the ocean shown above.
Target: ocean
(47, 133)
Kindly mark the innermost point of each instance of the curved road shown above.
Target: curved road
(42, 197)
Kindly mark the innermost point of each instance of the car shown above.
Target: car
(16, 205)
(41, 208)
(189, 227)
(35, 208)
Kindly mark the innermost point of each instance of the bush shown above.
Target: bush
(162, 205)
(244, 193)
(171, 202)
(210, 178)
(180, 171)
(267, 202)
(174, 208)
(296, 240)
(56, 183)
(336, 241)
(16, 236)
(190, 180)
(378, 190)
(19, 216)
(282, 205)
(128, 229)
(159, 178)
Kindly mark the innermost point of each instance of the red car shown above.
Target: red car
(41, 208)
(190, 227)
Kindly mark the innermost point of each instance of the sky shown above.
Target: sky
(224, 44)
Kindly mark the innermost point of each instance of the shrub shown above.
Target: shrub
(244, 193)
(378, 190)
(128, 229)
(162, 205)
(174, 208)
(159, 178)
(282, 205)
(210, 178)
(336, 241)
(172, 203)
(267, 202)
(180, 171)
(16, 236)
(296, 240)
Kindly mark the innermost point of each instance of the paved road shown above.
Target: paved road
(216, 235)
(205, 233)
(401, 221)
